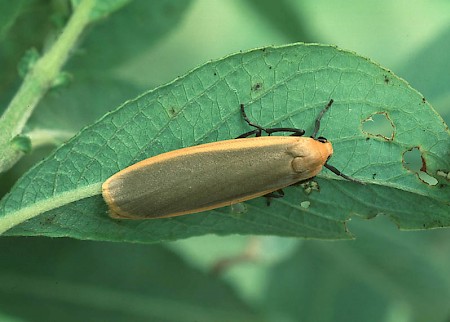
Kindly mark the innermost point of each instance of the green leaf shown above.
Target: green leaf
(113, 282)
(280, 86)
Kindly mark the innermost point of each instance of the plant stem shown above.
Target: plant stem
(36, 83)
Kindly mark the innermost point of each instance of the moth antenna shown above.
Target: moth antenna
(317, 126)
(259, 129)
(339, 173)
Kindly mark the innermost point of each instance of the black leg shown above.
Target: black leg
(295, 132)
(247, 134)
(257, 132)
(275, 194)
(260, 129)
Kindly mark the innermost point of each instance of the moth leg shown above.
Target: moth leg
(274, 194)
(269, 131)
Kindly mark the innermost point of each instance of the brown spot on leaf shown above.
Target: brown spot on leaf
(257, 86)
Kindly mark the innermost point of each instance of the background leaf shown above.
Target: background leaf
(385, 276)
(295, 82)
(131, 31)
(130, 287)
(432, 79)
(28, 27)
(8, 14)
(283, 16)
(103, 8)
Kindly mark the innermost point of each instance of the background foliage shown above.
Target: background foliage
(383, 275)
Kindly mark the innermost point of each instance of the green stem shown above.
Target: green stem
(37, 82)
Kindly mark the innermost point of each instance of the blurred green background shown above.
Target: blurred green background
(382, 275)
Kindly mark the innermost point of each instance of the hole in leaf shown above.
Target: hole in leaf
(444, 174)
(414, 161)
(379, 124)
(310, 186)
(238, 208)
(305, 204)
